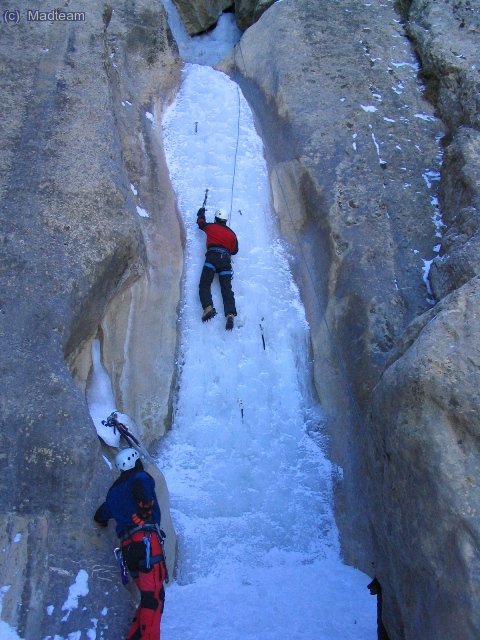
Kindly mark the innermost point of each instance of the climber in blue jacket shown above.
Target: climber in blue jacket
(131, 501)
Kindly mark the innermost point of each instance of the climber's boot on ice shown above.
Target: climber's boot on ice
(208, 313)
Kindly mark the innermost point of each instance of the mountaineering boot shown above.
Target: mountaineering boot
(208, 313)
(229, 325)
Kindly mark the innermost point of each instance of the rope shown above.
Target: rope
(335, 349)
(238, 138)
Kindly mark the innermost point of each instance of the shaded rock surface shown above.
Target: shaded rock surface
(338, 114)
(425, 459)
(249, 11)
(72, 245)
(199, 16)
(354, 143)
(358, 149)
(459, 259)
(425, 409)
(447, 35)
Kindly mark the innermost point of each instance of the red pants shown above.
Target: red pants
(146, 623)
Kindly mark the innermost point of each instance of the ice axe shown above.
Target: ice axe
(205, 199)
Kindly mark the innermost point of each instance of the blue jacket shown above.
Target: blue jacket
(131, 501)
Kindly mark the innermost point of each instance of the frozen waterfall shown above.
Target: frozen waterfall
(250, 486)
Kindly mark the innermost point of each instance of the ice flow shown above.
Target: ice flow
(250, 486)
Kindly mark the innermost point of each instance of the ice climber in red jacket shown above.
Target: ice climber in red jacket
(222, 243)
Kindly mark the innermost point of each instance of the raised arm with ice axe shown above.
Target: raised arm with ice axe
(222, 243)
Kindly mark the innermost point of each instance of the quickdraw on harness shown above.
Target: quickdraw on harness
(117, 552)
(221, 251)
(147, 530)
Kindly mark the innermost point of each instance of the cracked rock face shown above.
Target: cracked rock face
(427, 461)
(353, 127)
(75, 138)
(459, 258)
(447, 35)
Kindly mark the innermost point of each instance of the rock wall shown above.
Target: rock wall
(446, 35)
(200, 15)
(73, 249)
(428, 392)
(342, 173)
(355, 132)
(422, 466)
(249, 11)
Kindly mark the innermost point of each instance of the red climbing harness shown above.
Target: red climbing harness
(149, 573)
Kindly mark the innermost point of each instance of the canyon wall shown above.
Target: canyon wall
(369, 114)
(80, 259)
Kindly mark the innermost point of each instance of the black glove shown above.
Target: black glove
(98, 518)
(201, 212)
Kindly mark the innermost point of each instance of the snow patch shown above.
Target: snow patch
(413, 65)
(6, 631)
(425, 273)
(142, 212)
(77, 590)
(92, 633)
(426, 117)
(431, 176)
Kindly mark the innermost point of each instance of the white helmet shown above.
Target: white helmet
(221, 214)
(126, 459)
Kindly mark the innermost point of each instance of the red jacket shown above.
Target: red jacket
(218, 235)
